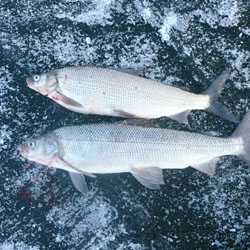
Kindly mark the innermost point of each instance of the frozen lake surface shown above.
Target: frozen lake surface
(182, 43)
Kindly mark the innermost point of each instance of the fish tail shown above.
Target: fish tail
(213, 92)
(242, 131)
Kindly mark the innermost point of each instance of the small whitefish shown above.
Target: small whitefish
(123, 93)
(143, 152)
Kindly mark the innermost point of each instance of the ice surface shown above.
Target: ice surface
(18, 245)
(183, 44)
(83, 219)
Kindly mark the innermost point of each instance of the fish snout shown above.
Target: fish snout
(23, 150)
(30, 81)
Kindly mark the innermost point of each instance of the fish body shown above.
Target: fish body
(110, 92)
(115, 148)
(104, 91)
(144, 152)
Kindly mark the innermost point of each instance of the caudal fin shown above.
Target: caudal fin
(216, 107)
(243, 131)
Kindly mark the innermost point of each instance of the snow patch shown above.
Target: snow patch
(88, 222)
(17, 246)
(170, 21)
(90, 12)
(225, 13)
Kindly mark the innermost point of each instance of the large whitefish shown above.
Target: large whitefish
(144, 152)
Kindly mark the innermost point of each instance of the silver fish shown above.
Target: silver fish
(144, 152)
(122, 93)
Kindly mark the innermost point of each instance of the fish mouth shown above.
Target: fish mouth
(31, 85)
(42, 91)
(23, 150)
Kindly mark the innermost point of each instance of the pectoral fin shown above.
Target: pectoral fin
(67, 166)
(150, 177)
(79, 182)
(64, 100)
(207, 167)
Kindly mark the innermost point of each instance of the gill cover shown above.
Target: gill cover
(44, 83)
(42, 149)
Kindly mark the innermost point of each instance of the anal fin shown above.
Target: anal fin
(124, 114)
(181, 117)
(150, 177)
(207, 167)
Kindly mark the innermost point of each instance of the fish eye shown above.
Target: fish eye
(31, 144)
(36, 78)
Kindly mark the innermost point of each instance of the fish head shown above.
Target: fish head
(42, 149)
(44, 83)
